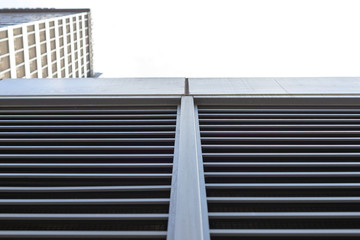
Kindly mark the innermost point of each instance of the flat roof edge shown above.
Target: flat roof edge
(37, 10)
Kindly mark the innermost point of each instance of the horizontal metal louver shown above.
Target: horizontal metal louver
(281, 172)
(86, 172)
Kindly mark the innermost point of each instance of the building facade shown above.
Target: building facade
(180, 159)
(45, 43)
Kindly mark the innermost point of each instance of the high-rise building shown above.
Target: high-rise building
(45, 43)
(180, 159)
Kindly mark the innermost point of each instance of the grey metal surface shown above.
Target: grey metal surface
(92, 86)
(285, 233)
(275, 168)
(271, 86)
(116, 176)
(228, 87)
(84, 234)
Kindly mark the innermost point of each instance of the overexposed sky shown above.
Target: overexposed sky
(222, 38)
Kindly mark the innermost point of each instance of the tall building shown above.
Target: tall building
(180, 159)
(45, 43)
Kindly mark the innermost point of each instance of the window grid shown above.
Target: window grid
(24, 47)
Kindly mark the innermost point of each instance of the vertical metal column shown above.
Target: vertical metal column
(188, 217)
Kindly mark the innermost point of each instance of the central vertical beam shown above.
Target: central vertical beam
(188, 209)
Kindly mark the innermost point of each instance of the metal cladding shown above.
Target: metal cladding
(172, 158)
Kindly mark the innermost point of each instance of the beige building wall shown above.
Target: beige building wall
(57, 47)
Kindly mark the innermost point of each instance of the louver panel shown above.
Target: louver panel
(86, 172)
(281, 172)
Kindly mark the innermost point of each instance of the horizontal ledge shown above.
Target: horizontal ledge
(285, 232)
(279, 126)
(72, 217)
(281, 174)
(97, 201)
(280, 164)
(293, 139)
(86, 189)
(85, 175)
(283, 199)
(78, 101)
(277, 115)
(281, 215)
(46, 127)
(85, 165)
(77, 111)
(344, 132)
(92, 156)
(158, 133)
(281, 185)
(224, 155)
(276, 120)
(294, 109)
(96, 116)
(83, 234)
(85, 121)
(47, 140)
(272, 146)
(86, 147)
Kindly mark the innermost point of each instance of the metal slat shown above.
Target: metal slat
(72, 217)
(282, 126)
(289, 115)
(287, 139)
(283, 200)
(280, 164)
(285, 232)
(297, 154)
(272, 146)
(89, 156)
(276, 133)
(282, 215)
(86, 121)
(280, 174)
(86, 189)
(261, 110)
(80, 111)
(85, 165)
(96, 116)
(86, 148)
(159, 133)
(282, 185)
(97, 201)
(279, 120)
(81, 127)
(83, 234)
(85, 175)
(97, 140)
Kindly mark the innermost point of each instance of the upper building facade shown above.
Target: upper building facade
(45, 43)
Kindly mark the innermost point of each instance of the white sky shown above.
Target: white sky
(223, 38)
